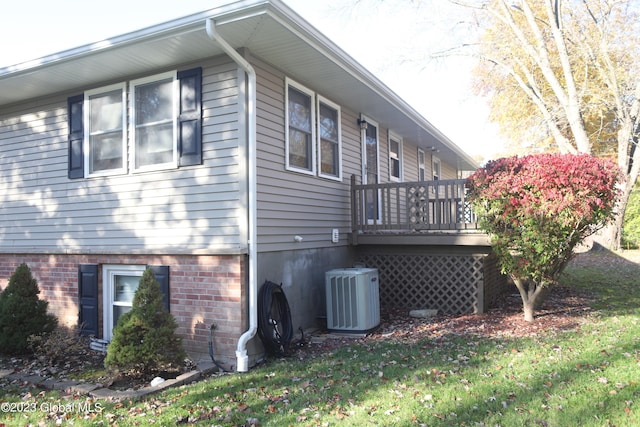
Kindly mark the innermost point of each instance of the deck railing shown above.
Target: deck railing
(411, 207)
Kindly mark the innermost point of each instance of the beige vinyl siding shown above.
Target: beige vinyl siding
(351, 147)
(297, 204)
(383, 153)
(409, 161)
(187, 210)
(291, 203)
(448, 171)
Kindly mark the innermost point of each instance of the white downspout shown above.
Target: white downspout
(241, 351)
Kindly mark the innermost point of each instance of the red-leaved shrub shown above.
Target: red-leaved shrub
(537, 208)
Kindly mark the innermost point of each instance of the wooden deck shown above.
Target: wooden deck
(414, 213)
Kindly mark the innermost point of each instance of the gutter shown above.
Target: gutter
(242, 364)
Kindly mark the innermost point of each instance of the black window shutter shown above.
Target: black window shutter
(88, 299)
(190, 118)
(161, 272)
(76, 136)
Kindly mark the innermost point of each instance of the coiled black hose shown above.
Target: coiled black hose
(274, 319)
(213, 359)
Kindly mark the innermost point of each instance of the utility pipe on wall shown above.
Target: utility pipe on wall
(241, 351)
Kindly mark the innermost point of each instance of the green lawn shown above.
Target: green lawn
(584, 377)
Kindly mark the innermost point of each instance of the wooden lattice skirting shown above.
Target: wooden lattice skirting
(452, 284)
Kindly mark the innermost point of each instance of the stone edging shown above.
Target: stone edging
(99, 392)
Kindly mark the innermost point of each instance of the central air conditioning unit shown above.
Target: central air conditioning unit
(353, 299)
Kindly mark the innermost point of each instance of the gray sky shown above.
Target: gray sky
(390, 40)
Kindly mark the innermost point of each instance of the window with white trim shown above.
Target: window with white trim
(153, 127)
(395, 157)
(300, 118)
(313, 131)
(164, 125)
(329, 139)
(436, 168)
(422, 174)
(119, 285)
(106, 137)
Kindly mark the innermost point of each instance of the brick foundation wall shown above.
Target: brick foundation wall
(204, 290)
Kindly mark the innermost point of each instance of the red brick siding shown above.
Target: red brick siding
(204, 290)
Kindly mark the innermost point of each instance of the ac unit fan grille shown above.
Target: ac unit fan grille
(353, 300)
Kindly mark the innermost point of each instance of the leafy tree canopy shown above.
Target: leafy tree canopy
(537, 208)
(564, 75)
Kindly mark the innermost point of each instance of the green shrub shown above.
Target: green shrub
(144, 340)
(22, 313)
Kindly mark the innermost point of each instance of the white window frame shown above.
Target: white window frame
(436, 168)
(397, 138)
(109, 272)
(322, 100)
(87, 134)
(297, 86)
(174, 109)
(422, 168)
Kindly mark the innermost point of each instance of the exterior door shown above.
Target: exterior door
(371, 167)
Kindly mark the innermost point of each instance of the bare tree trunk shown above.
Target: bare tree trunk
(531, 294)
(610, 236)
(528, 311)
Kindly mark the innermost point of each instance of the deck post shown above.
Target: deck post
(354, 212)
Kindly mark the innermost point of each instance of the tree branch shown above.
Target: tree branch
(534, 93)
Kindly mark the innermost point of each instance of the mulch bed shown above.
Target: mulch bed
(31, 365)
(564, 309)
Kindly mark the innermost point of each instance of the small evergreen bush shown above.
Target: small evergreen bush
(22, 313)
(144, 340)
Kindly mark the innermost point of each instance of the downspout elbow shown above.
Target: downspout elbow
(242, 358)
(213, 34)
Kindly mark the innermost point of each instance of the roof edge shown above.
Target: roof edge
(226, 13)
(235, 11)
(286, 16)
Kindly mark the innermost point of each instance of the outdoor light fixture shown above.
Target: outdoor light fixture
(363, 123)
